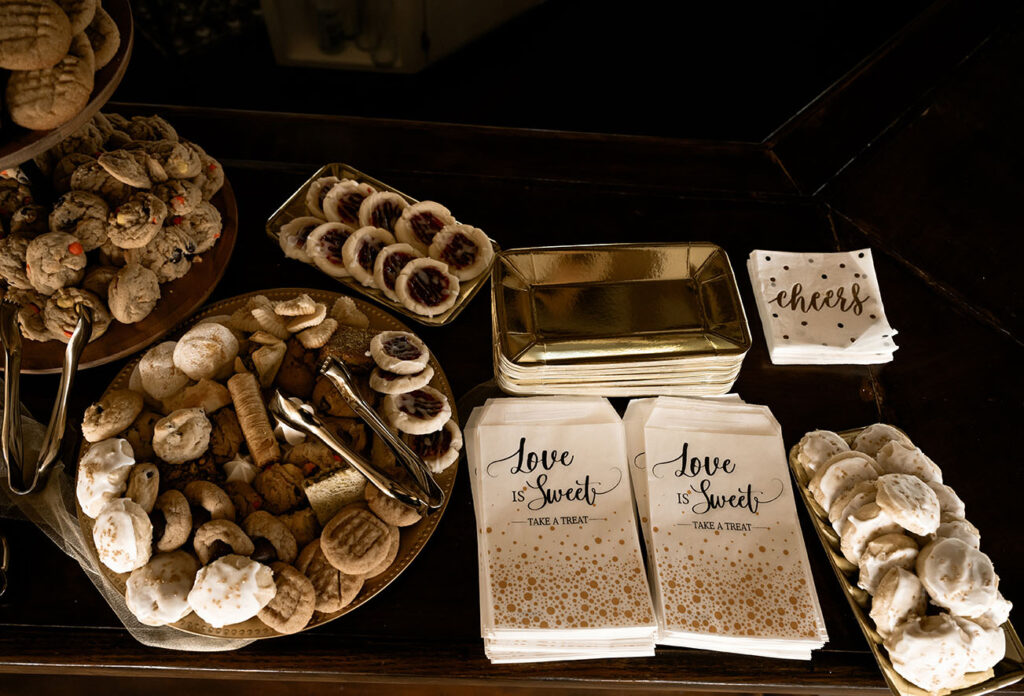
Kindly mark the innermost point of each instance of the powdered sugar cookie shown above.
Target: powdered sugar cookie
(359, 253)
(426, 287)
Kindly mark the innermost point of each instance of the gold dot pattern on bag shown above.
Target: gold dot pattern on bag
(574, 583)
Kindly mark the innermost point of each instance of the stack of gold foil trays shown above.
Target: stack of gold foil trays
(617, 320)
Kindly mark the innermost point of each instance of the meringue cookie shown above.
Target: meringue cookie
(874, 437)
(103, 474)
(896, 458)
(182, 436)
(157, 593)
(986, 643)
(957, 577)
(881, 554)
(205, 351)
(867, 523)
(851, 501)
(949, 502)
(959, 528)
(158, 373)
(241, 469)
(123, 535)
(930, 652)
(909, 501)
(839, 474)
(898, 597)
(232, 589)
(817, 447)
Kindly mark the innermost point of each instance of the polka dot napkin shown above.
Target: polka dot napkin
(821, 309)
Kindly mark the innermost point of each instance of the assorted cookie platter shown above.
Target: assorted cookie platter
(125, 216)
(924, 595)
(413, 257)
(286, 527)
(109, 36)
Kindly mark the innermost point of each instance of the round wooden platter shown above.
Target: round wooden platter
(178, 299)
(413, 538)
(19, 144)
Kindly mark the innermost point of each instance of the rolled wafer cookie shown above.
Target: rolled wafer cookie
(252, 416)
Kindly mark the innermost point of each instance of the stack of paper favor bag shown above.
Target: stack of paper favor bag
(561, 568)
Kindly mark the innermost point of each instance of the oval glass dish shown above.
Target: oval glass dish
(295, 207)
(412, 538)
(1009, 670)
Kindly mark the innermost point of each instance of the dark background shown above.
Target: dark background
(733, 70)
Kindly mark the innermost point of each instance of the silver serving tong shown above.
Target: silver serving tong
(336, 371)
(22, 479)
(302, 416)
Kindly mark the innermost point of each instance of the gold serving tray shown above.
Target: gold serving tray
(1009, 670)
(412, 539)
(621, 303)
(295, 207)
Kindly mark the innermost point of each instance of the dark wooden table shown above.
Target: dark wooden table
(917, 155)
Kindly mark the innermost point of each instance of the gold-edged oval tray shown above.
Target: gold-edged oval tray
(1009, 670)
(295, 207)
(413, 538)
(178, 299)
(19, 144)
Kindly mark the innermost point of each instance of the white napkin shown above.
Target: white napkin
(726, 557)
(561, 572)
(820, 309)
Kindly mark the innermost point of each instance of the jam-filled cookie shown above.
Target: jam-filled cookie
(426, 287)
(343, 201)
(420, 222)
(389, 264)
(360, 250)
(381, 209)
(324, 248)
(466, 250)
(400, 352)
(316, 193)
(439, 449)
(293, 235)
(419, 412)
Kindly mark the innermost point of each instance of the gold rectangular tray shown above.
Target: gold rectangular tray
(1009, 670)
(295, 207)
(622, 303)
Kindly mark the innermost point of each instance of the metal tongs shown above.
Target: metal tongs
(428, 498)
(21, 478)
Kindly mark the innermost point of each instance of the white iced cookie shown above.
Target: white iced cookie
(466, 250)
(420, 222)
(958, 577)
(999, 612)
(867, 523)
(950, 504)
(123, 536)
(400, 352)
(182, 436)
(986, 643)
(849, 502)
(426, 287)
(387, 382)
(896, 458)
(157, 593)
(293, 235)
(157, 372)
(241, 469)
(325, 245)
(874, 437)
(817, 447)
(103, 474)
(959, 528)
(359, 252)
(839, 474)
(930, 652)
(909, 501)
(898, 597)
(231, 590)
(205, 351)
(883, 553)
(419, 412)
